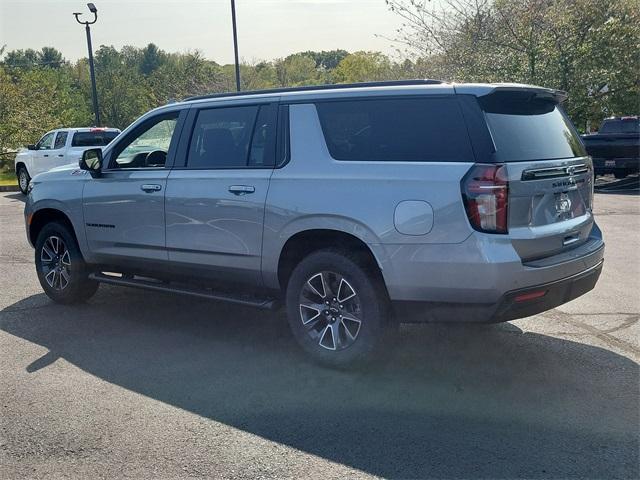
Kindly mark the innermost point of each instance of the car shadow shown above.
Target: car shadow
(17, 196)
(446, 401)
(626, 186)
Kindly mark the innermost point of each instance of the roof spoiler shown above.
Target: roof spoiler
(484, 89)
(541, 93)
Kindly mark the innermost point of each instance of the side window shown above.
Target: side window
(233, 137)
(61, 140)
(148, 146)
(396, 130)
(45, 142)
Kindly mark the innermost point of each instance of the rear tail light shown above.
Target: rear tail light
(485, 191)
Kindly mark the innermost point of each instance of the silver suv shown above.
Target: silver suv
(357, 206)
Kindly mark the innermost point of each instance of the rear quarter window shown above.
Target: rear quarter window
(415, 129)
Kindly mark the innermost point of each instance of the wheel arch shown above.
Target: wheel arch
(304, 242)
(19, 165)
(44, 216)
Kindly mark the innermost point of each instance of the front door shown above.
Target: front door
(124, 206)
(215, 202)
(42, 160)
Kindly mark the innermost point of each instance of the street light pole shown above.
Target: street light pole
(235, 43)
(94, 91)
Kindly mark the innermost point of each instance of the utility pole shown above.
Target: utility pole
(235, 43)
(94, 91)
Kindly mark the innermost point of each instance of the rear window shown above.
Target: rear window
(623, 125)
(526, 127)
(92, 139)
(395, 130)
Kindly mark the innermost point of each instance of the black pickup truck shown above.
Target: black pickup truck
(615, 148)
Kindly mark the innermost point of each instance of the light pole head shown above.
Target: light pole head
(92, 9)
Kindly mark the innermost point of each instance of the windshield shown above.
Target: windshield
(525, 127)
(93, 139)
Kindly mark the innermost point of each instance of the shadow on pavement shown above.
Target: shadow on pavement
(17, 196)
(448, 402)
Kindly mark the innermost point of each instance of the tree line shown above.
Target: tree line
(589, 49)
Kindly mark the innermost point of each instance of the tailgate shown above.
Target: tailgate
(614, 146)
(550, 176)
(549, 206)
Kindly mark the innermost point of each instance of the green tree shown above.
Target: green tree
(581, 46)
(297, 69)
(327, 60)
(122, 91)
(46, 57)
(363, 67)
(152, 59)
(50, 57)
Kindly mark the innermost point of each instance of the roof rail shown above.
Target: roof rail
(337, 86)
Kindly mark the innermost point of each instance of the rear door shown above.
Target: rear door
(550, 176)
(215, 201)
(57, 156)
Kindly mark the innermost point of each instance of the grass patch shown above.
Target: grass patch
(8, 178)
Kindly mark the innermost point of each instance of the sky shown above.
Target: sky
(267, 29)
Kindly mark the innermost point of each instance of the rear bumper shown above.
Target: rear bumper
(479, 280)
(519, 304)
(514, 304)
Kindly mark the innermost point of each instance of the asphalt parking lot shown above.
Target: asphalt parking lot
(148, 385)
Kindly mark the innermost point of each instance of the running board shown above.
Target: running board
(262, 303)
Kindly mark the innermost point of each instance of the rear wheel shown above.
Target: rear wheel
(337, 308)
(23, 179)
(620, 174)
(61, 269)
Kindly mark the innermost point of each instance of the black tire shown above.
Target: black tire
(23, 179)
(361, 321)
(620, 174)
(62, 271)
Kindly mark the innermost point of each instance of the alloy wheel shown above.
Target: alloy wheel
(56, 263)
(330, 310)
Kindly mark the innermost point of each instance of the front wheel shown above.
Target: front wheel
(23, 179)
(620, 174)
(337, 308)
(61, 269)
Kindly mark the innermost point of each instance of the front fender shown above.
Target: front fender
(62, 191)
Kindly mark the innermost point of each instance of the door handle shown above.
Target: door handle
(60, 155)
(241, 189)
(150, 187)
(46, 155)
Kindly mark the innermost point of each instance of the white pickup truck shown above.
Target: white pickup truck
(56, 148)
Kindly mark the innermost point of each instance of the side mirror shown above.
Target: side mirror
(31, 146)
(92, 161)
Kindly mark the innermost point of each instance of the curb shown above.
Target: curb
(9, 188)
